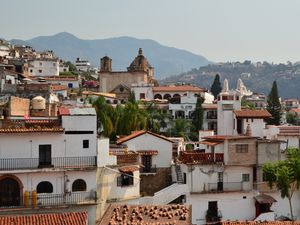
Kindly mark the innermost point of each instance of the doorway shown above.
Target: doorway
(147, 163)
(9, 192)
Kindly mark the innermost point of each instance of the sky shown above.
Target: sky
(220, 30)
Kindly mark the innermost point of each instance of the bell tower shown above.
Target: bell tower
(106, 64)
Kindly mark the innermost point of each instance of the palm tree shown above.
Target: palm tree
(180, 128)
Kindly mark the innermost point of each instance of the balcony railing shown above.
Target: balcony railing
(57, 162)
(151, 169)
(74, 198)
(225, 186)
(50, 200)
(201, 157)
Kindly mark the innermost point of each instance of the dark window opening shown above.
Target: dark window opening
(44, 187)
(125, 179)
(79, 185)
(44, 155)
(85, 143)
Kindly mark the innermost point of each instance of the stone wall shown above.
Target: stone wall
(245, 158)
(150, 184)
(19, 106)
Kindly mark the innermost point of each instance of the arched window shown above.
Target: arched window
(79, 185)
(157, 96)
(167, 96)
(44, 187)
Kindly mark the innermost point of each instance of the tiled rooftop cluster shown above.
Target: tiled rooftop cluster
(147, 215)
(265, 222)
(200, 157)
(70, 218)
(25, 126)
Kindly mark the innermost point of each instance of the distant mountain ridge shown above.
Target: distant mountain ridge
(166, 60)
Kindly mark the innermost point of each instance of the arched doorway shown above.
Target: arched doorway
(10, 194)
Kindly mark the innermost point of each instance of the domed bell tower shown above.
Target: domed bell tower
(106, 64)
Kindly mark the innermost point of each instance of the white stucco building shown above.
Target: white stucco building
(41, 67)
(52, 162)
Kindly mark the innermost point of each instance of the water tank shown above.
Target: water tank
(38, 103)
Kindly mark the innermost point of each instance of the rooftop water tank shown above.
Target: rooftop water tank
(38, 103)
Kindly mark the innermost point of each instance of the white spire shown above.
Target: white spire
(225, 86)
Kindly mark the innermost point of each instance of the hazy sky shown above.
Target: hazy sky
(220, 30)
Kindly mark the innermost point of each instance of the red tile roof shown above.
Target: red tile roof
(147, 152)
(194, 157)
(260, 222)
(295, 110)
(289, 130)
(70, 218)
(139, 133)
(147, 214)
(32, 130)
(55, 78)
(209, 106)
(128, 169)
(181, 88)
(57, 87)
(227, 137)
(248, 113)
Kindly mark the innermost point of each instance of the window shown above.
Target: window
(85, 143)
(246, 177)
(264, 177)
(227, 107)
(40, 71)
(142, 95)
(79, 185)
(44, 187)
(44, 155)
(41, 64)
(242, 148)
(31, 71)
(125, 179)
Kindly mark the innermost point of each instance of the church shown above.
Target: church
(119, 82)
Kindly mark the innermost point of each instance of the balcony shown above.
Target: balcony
(212, 116)
(148, 170)
(53, 200)
(58, 162)
(225, 186)
(201, 157)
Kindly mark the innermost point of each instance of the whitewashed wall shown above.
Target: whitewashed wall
(151, 142)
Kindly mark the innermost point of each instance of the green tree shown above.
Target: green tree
(247, 104)
(104, 122)
(285, 175)
(198, 115)
(216, 87)
(72, 67)
(131, 97)
(180, 128)
(291, 118)
(274, 106)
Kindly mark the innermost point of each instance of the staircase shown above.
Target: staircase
(164, 196)
(179, 175)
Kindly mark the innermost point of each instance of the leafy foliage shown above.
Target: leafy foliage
(198, 115)
(285, 175)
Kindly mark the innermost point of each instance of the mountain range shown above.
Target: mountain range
(122, 50)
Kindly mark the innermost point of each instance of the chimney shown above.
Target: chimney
(248, 131)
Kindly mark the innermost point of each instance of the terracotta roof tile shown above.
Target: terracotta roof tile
(260, 222)
(147, 152)
(147, 214)
(128, 169)
(227, 137)
(70, 218)
(57, 87)
(32, 130)
(139, 133)
(55, 78)
(181, 88)
(248, 113)
(289, 130)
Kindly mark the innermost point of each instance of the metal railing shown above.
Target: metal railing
(72, 198)
(151, 169)
(49, 200)
(225, 186)
(56, 162)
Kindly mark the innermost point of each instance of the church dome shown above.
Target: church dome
(140, 63)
